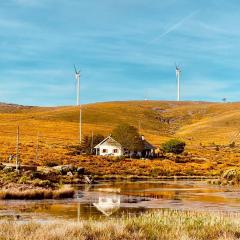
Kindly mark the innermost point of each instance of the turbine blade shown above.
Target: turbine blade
(75, 69)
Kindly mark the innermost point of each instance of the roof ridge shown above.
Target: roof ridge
(105, 139)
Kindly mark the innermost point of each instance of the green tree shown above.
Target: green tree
(128, 137)
(174, 146)
(90, 142)
(87, 145)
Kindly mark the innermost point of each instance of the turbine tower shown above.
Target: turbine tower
(178, 72)
(77, 77)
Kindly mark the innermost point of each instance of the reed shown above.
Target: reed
(164, 224)
(37, 194)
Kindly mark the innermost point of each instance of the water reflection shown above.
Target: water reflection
(108, 204)
(114, 199)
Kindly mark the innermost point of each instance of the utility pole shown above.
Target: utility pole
(80, 124)
(17, 150)
(92, 143)
(139, 126)
(77, 76)
(37, 146)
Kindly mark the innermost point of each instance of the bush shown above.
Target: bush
(51, 164)
(42, 183)
(37, 194)
(90, 142)
(174, 146)
(23, 180)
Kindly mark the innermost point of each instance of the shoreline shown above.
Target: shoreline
(133, 178)
(16, 191)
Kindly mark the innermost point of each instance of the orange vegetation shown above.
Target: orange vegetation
(200, 124)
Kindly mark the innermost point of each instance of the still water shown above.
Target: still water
(114, 199)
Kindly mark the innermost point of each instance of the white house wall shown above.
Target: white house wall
(110, 150)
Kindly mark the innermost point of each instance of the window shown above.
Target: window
(104, 150)
(115, 150)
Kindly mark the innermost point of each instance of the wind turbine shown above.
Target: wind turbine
(178, 72)
(77, 77)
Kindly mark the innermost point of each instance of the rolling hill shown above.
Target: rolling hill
(198, 123)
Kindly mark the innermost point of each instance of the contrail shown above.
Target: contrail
(175, 26)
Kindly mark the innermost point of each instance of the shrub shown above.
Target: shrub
(42, 183)
(120, 158)
(23, 180)
(89, 142)
(174, 146)
(51, 164)
(37, 194)
(63, 193)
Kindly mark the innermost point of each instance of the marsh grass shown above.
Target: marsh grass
(164, 224)
(36, 194)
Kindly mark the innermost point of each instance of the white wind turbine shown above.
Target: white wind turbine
(178, 72)
(77, 77)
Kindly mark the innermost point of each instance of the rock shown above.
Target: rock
(80, 170)
(69, 174)
(28, 168)
(230, 174)
(9, 169)
(89, 179)
(1, 166)
(64, 169)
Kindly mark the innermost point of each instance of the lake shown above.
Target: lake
(114, 199)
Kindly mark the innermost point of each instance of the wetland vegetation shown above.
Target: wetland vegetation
(164, 224)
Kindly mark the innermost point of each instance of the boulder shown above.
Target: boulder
(1, 166)
(9, 169)
(28, 168)
(69, 174)
(80, 170)
(64, 169)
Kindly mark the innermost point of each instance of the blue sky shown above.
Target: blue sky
(125, 49)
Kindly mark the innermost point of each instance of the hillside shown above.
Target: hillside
(198, 123)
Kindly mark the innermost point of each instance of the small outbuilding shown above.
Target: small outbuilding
(148, 149)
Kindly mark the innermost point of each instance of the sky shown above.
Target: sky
(126, 50)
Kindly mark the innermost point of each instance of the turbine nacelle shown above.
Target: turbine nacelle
(77, 73)
(178, 70)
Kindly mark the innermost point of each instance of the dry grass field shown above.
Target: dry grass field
(202, 125)
(156, 226)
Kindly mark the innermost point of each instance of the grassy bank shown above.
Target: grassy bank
(36, 194)
(160, 225)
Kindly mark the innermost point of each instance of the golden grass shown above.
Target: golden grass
(171, 225)
(194, 122)
(36, 194)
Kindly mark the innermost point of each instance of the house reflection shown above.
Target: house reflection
(108, 204)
